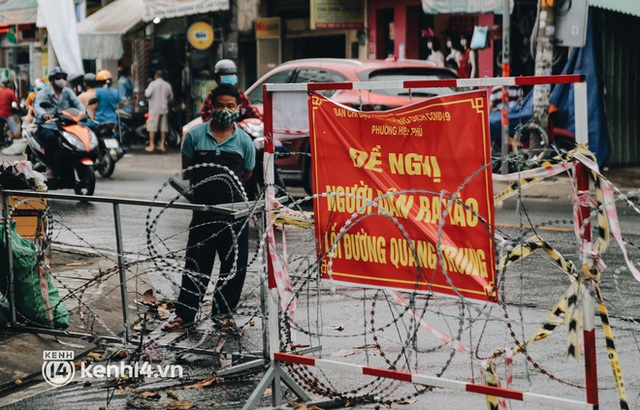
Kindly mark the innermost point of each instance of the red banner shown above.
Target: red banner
(408, 204)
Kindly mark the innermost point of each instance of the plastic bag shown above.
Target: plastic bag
(35, 178)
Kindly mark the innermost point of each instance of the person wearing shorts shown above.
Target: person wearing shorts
(159, 96)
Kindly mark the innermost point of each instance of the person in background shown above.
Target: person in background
(514, 93)
(19, 145)
(125, 85)
(108, 99)
(218, 141)
(160, 95)
(7, 98)
(226, 72)
(89, 92)
(60, 97)
(38, 85)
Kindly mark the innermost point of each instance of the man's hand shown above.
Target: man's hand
(47, 117)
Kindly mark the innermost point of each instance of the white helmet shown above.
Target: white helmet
(225, 67)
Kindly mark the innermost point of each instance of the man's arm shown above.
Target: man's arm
(40, 112)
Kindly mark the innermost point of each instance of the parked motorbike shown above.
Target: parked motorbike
(132, 128)
(109, 150)
(553, 141)
(77, 151)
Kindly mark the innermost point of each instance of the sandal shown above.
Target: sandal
(149, 149)
(161, 148)
(177, 323)
(226, 324)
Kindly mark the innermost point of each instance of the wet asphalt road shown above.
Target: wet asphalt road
(532, 290)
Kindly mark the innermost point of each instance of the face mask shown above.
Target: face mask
(60, 83)
(229, 79)
(224, 118)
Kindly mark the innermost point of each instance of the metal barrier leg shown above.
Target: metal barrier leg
(123, 274)
(9, 255)
(272, 378)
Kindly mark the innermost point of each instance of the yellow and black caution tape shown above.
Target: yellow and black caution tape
(522, 184)
(614, 360)
(573, 317)
(491, 379)
(530, 246)
(294, 219)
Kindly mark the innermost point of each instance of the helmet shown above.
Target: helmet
(39, 86)
(104, 75)
(225, 67)
(90, 79)
(57, 71)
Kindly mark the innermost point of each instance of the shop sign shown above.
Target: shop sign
(268, 27)
(200, 35)
(337, 14)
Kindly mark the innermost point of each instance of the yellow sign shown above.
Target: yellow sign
(200, 35)
(337, 14)
(268, 27)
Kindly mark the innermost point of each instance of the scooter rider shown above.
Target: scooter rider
(108, 98)
(226, 72)
(61, 97)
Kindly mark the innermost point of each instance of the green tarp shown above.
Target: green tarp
(31, 307)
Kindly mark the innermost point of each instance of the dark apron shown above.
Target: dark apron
(213, 184)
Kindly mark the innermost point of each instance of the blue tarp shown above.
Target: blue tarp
(587, 61)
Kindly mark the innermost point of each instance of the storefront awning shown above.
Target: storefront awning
(631, 7)
(463, 6)
(19, 12)
(100, 33)
(177, 8)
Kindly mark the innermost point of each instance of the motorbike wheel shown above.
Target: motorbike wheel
(85, 183)
(105, 165)
(173, 138)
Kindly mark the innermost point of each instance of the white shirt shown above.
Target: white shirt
(159, 94)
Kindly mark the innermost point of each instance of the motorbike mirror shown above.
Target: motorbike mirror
(46, 104)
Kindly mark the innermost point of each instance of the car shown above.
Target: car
(295, 168)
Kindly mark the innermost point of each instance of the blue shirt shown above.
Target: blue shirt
(66, 100)
(212, 182)
(125, 87)
(108, 100)
(201, 139)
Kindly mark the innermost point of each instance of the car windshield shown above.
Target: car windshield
(255, 96)
(410, 75)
